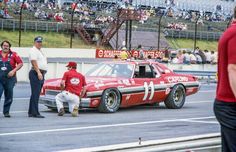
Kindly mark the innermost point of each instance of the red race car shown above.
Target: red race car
(111, 85)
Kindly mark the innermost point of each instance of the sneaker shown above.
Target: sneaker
(75, 111)
(61, 112)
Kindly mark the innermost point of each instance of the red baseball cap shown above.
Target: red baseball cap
(72, 64)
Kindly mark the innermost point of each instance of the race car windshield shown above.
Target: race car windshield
(111, 70)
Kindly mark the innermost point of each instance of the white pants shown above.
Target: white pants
(65, 96)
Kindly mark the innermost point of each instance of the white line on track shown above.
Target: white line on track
(103, 126)
(202, 101)
(206, 122)
(18, 111)
(206, 91)
(19, 99)
(187, 102)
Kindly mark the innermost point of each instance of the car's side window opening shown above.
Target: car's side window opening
(144, 71)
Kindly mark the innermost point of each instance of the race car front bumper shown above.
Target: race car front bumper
(49, 101)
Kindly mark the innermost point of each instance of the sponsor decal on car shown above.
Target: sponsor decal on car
(174, 79)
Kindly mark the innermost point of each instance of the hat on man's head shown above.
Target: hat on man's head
(38, 39)
(72, 64)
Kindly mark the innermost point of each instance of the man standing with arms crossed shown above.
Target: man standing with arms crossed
(225, 102)
(10, 62)
(36, 75)
(73, 85)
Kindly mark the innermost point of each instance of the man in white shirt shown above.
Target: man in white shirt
(193, 59)
(213, 57)
(208, 56)
(36, 75)
(186, 57)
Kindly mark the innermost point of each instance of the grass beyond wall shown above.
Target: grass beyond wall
(51, 39)
(189, 43)
(60, 40)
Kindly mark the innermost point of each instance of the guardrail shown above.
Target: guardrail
(200, 74)
(199, 143)
(197, 73)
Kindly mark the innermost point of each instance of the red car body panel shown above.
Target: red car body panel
(134, 91)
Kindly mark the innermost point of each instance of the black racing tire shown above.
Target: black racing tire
(176, 98)
(110, 101)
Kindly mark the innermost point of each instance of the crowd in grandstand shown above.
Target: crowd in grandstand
(177, 26)
(92, 14)
(88, 11)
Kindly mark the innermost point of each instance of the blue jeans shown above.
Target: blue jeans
(7, 86)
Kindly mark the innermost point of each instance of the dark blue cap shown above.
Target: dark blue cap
(38, 39)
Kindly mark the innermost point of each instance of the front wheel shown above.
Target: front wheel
(176, 98)
(110, 101)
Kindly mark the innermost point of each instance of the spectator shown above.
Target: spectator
(196, 50)
(193, 59)
(166, 57)
(199, 59)
(124, 54)
(186, 57)
(213, 57)
(180, 57)
(141, 52)
(208, 56)
(202, 55)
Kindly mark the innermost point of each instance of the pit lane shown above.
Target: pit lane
(92, 129)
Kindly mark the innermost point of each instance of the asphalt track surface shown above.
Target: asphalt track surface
(91, 129)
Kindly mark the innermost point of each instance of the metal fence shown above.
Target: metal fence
(202, 35)
(26, 25)
(64, 27)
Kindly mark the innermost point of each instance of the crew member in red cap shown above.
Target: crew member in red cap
(73, 85)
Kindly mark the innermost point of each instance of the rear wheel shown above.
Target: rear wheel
(176, 98)
(110, 101)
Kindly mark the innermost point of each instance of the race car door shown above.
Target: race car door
(146, 79)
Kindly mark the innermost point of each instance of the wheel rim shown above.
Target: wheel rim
(178, 97)
(112, 99)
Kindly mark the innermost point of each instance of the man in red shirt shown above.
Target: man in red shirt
(73, 85)
(225, 102)
(10, 62)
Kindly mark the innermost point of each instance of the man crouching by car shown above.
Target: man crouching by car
(73, 86)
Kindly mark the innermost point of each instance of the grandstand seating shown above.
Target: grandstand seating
(209, 29)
